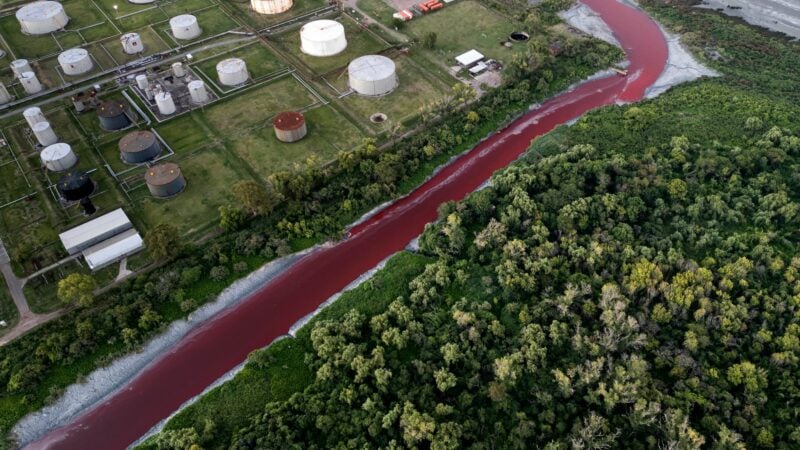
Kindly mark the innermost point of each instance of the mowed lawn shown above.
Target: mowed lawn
(463, 26)
(260, 62)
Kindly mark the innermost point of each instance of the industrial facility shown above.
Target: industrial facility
(232, 72)
(323, 38)
(77, 186)
(172, 91)
(185, 27)
(113, 115)
(139, 147)
(58, 157)
(290, 126)
(104, 240)
(372, 75)
(165, 180)
(75, 61)
(42, 17)
(271, 6)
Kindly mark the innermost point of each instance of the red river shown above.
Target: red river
(224, 341)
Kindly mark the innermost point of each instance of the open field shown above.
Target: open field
(212, 22)
(259, 59)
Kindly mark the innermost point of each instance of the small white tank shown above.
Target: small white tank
(33, 115)
(232, 72)
(142, 82)
(5, 96)
(271, 6)
(197, 90)
(165, 104)
(20, 66)
(58, 157)
(30, 83)
(178, 70)
(185, 27)
(44, 133)
(75, 61)
(131, 43)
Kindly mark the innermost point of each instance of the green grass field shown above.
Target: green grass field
(212, 22)
(244, 11)
(378, 10)
(259, 59)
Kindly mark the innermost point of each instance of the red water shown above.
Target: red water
(225, 341)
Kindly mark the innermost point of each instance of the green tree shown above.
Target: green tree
(77, 289)
(163, 242)
(429, 40)
(254, 197)
(231, 217)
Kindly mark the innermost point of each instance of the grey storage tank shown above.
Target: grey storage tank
(113, 115)
(165, 180)
(139, 147)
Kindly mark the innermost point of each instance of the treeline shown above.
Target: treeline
(310, 203)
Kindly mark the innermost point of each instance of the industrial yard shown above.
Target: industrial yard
(194, 86)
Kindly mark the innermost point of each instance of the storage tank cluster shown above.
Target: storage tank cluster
(131, 43)
(42, 17)
(58, 157)
(232, 72)
(322, 38)
(164, 180)
(139, 147)
(185, 27)
(372, 75)
(290, 126)
(113, 115)
(75, 61)
(271, 6)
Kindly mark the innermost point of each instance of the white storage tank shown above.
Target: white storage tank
(142, 82)
(58, 157)
(33, 115)
(372, 75)
(42, 17)
(322, 38)
(44, 133)
(5, 96)
(232, 72)
(20, 66)
(30, 83)
(271, 6)
(185, 27)
(75, 61)
(165, 104)
(197, 91)
(178, 70)
(131, 43)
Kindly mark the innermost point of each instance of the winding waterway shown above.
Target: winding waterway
(224, 342)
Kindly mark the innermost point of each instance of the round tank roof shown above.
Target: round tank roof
(73, 55)
(230, 65)
(184, 20)
(40, 11)
(288, 121)
(32, 111)
(195, 84)
(55, 152)
(112, 108)
(163, 96)
(19, 63)
(322, 30)
(371, 68)
(127, 36)
(162, 174)
(40, 126)
(137, 141)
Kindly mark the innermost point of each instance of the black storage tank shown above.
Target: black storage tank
(138, 147)
(113, 115)
(75, 186)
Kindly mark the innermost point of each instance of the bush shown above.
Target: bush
(219, 273)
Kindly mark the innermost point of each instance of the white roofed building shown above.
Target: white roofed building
(95, 231)
(112, 250)
(469, 58)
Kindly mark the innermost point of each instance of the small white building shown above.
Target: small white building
(114, 249)
(469, 59)
(93, 232)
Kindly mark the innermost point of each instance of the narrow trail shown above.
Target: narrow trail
(223, 342)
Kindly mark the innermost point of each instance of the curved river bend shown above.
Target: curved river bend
(223, 342)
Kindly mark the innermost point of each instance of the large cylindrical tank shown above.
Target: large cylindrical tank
(232, 72)
(131, 43)
(58, 157)
(30, 83)
(20, 66)
(42, 17)
(75, 61)
(185, 27)
(33, 115)
(5, 96)
(165, 104)
(178, 70)
(75, 186)
(322, 38)
(112, 115)
(44, 133)
(290, 126)
(164, 180)
(372, 75)
(139, 147)
(142, 82)
(271, 6)
(198, 92)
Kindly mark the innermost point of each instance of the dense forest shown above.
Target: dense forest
(633, 282)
